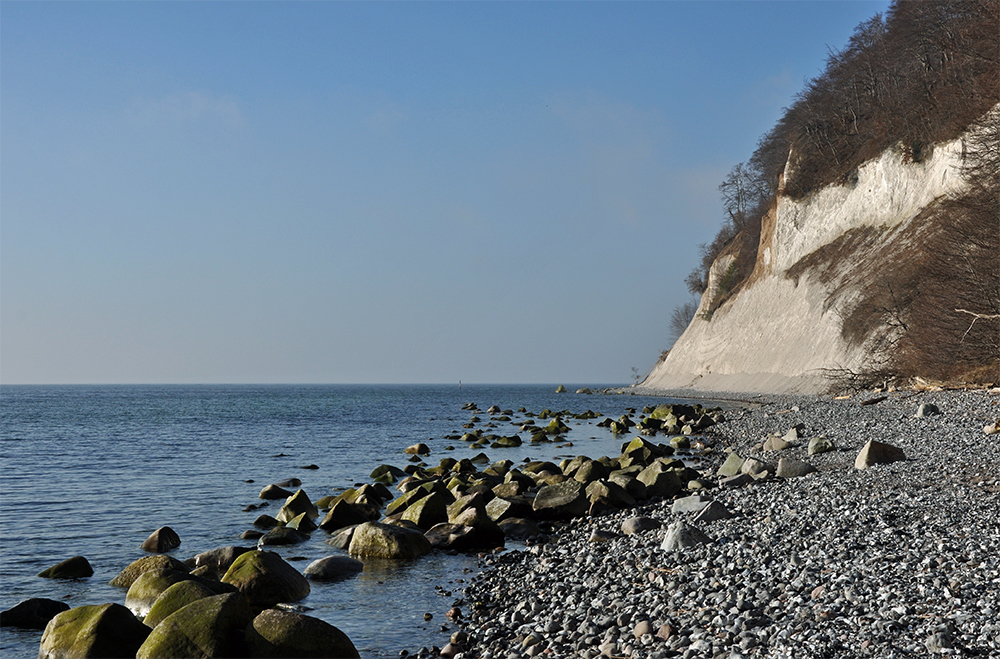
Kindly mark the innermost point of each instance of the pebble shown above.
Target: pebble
(896, 560)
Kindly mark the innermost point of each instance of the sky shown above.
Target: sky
(376, 192)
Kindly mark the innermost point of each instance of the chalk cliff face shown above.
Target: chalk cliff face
(784, 329)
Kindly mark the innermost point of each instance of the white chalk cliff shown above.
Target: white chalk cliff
(782, 330)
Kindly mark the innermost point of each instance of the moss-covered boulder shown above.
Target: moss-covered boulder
(100, 630)
(295, 505)
(77, 567)
(135, 569)
(561, 500)
(162, 540)
(33, 613)
(174, 598)
(281, 634)
(428, 511)
(151, 584)
(208, 627)
(375, 540)
(266, 579)
(302, 523)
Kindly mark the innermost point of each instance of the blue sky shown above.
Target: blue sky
(373, 192)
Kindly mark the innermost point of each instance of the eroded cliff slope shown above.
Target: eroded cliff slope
(795, 321)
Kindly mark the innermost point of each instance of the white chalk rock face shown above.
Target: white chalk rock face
(782, 331)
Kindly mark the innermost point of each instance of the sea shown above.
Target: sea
(93, 470)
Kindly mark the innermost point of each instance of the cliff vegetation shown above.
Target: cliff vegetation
(925, 73)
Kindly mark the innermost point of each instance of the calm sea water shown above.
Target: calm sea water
(93, 470)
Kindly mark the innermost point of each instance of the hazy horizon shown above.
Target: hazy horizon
(373, 193)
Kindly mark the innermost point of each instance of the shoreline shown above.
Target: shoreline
(898, 559)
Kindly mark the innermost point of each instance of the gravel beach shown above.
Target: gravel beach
(895, 560)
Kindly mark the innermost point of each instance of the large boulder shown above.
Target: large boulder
(375, 540)
(616, 495)
(162, 540)
(341, 515)
(875, 452)
(501, 508)
(32, 613)
(428, 511)
(333, 568)
(266, 579)
(135, 569)
(295, 505)
(208, 627)
(174, 598)
(219, 559)
(561, 500)
(660, 480)
(281, 634)
(99, 630)
(77, 567)
(151, 584)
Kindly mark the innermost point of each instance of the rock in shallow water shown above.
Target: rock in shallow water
(32, 613)
(77, 567)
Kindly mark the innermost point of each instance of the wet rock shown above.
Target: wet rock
(296, 505)
(417, 449)
(273, 491)
(265, 579)
(100, 630)
(77, 567)
(282, 535)
(302, 523)
(175, 598)
(280, 634)
(32, 613)
(127, 577)
(376, 540)
(333, 568)
(341, 515)
(428, 511)
(162, 540)
(208, 627)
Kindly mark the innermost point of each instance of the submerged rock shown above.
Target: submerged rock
(162, 540)
(32, 613)
(77, 567)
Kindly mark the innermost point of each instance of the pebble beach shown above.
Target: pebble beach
(893, 560)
